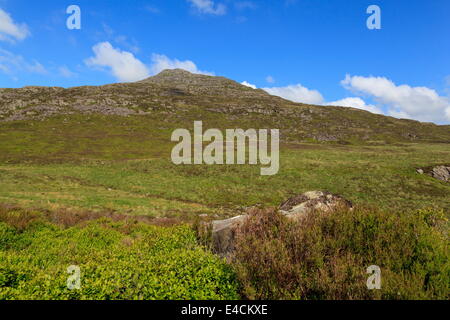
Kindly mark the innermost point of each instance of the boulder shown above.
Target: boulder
(298, 206)
(223, 233)
(441, 173)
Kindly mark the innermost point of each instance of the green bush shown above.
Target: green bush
(118, 260)
(325, 256)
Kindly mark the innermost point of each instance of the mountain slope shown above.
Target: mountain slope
(177, 95)
(109, 148)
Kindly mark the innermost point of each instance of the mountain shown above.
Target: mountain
(176, 96)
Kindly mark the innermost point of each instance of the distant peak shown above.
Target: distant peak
(174, 71)
(173, 75)
(200, 84)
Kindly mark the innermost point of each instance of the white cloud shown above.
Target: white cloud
(270, 79)
(12, 64)
(123, 41)
(108, 34)
(419, 103)
(152, 9)
(4, 68)
(447, 113)
(241, 19)
(355, 102)
(297, 93)
(447, 85)
(403, 101)
(66, 72)
(288, 3)
(36, 67)
(124, 66)
(208, 7)
(9, 30)
(242, 5)
(162, 62)
(245, 83)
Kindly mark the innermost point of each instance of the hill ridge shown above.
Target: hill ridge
(178, 94)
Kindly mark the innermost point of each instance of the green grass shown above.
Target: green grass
(121, 165)
(382, 176)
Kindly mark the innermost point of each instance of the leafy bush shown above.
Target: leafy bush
(325, 256)
(118, 260)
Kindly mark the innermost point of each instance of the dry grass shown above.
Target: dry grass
(21, 218)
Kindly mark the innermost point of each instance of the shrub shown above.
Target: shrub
(118, 260)
(325, 256)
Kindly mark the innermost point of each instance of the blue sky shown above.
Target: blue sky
(315, 51)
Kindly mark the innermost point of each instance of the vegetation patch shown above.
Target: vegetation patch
(326, 256)
(118, 260)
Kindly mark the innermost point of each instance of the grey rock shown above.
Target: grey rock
(298, 206)
(441, 173)
(224, 234)
(224, 231)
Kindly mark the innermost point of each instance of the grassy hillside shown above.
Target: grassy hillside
(116, 163)
(88, 169)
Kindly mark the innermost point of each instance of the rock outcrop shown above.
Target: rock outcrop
(224, 231)
(324, 201)
(441, 172)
